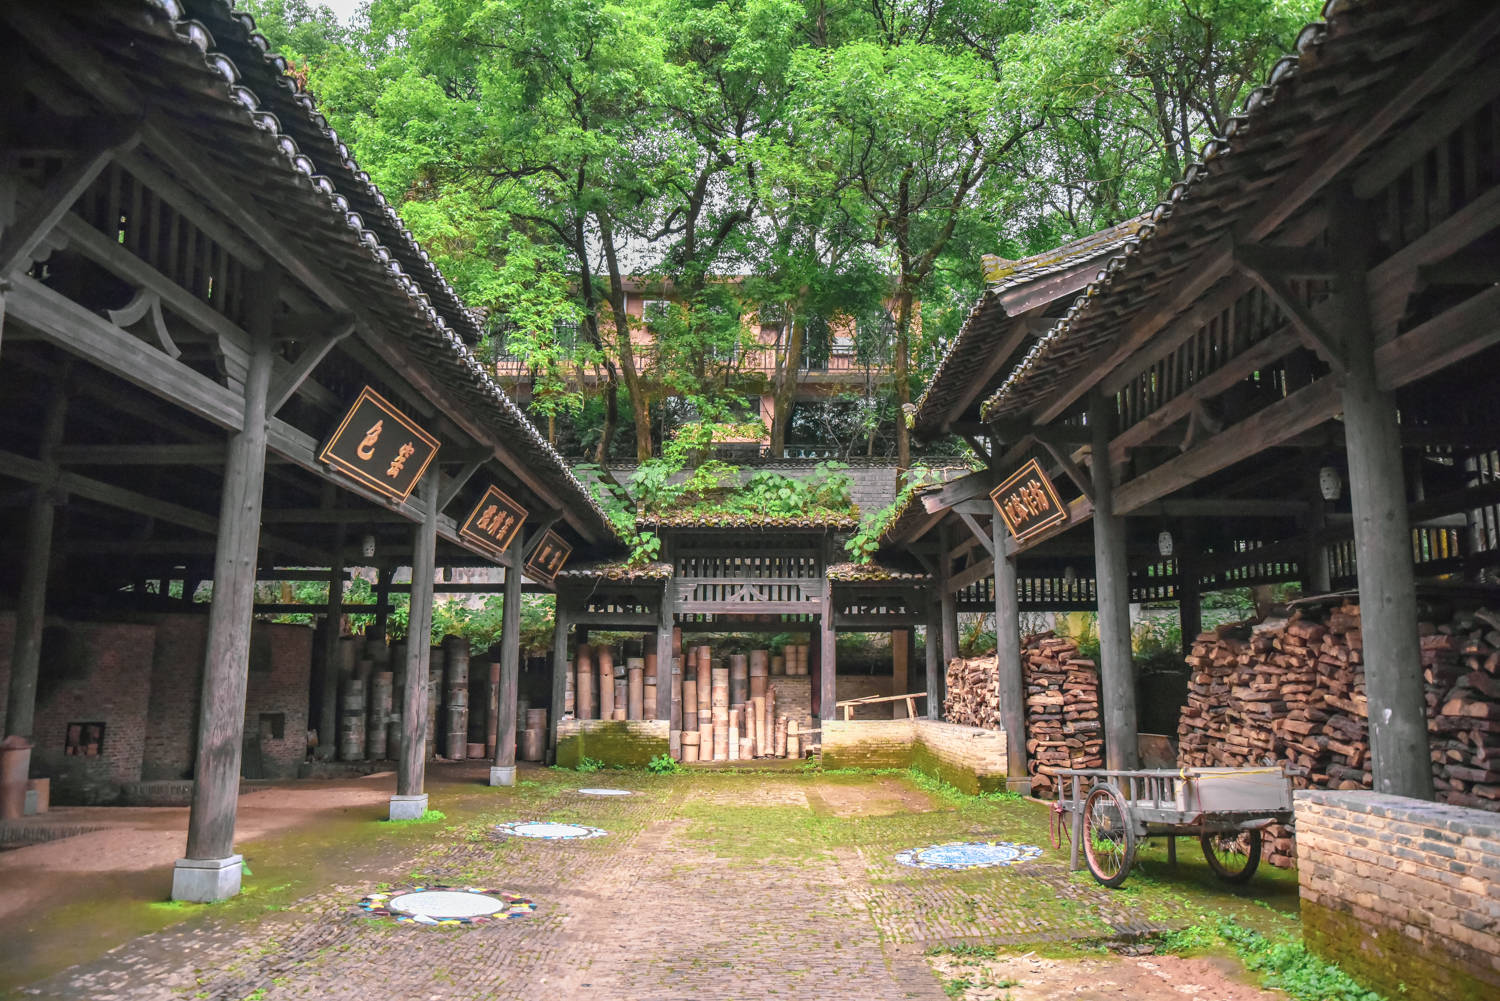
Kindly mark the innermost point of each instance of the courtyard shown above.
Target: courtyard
(710, 884)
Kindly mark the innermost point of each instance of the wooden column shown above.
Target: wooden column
(1399, 755)
(328, 715)
(211, 870)
(900, 669)
(31, 601)
(503, 770)
(828, 668)
(948, 600)
(1189, 592)
(665, 621)
(410, 800)
(1010, 676)
(1116, 669)
(815, 674)
(560, 625)
(1315, 575)
(933, 651)
(383, 577)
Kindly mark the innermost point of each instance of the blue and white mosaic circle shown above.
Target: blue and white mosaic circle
(548, 831)
(605, 792)
(968, 855)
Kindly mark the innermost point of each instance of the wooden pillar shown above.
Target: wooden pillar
(1399, 754)
(211, 870)
(1189, 589)
(828, 668)
(900, 669)
(1010, 676)
(503, 769)
(1116, 669)
(383, 577)
(560, 625)
(665, 621)
(31, 601)
(410, 800)
(1315, 574)
(948, 600)
(328, 715)
(934, 657)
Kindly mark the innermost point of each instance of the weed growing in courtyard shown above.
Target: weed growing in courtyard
(1283, 963)
(964, 950)
(664, 764)
(427, 817)
(589, 765)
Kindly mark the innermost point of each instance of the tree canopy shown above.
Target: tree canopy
(843, 161)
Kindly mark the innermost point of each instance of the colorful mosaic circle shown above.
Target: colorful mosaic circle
(968, 855)
(605, 792)
(446, 905)
(548, 831)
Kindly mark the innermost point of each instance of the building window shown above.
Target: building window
(565, 334)
(654, 311)
(273, 726)
(85, 739)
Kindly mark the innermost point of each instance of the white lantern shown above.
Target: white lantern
(1164, 543)
(1330, 483)
(1069, 574)
(368, 547)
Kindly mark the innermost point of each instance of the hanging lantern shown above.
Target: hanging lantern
(368, 547)
(1330, 483)
(1164, 543)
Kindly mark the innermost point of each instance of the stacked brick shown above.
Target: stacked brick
(1292, 692)
(1063, 728)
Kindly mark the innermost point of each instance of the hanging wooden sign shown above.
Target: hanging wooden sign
(548, 557)
(380, 446)
(494, 521)
(1028, 502)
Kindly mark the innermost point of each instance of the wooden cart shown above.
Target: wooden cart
(1105, 813)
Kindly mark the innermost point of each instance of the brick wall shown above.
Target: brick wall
(1402, 893)
(971, 758)
(631, 743)
(280, 678)
(92, 673)
(176, 680)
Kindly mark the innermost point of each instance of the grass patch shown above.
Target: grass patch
(427, 817)
(1282, 962)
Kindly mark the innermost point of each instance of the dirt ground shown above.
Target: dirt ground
(730, 885)
(1028, 977)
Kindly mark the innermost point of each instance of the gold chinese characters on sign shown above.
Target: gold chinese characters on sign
(1028, 502)
(547, 557)
(380, 446)
(494, 521)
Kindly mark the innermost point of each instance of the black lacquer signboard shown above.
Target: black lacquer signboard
(494, 521)
(379, 446)
(548, 557)
(1028, 502)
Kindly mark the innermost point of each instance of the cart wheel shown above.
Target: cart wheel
(1061, 826)
(1108, 835)
(1232, 855)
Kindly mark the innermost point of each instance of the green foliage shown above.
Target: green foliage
(664, 764)
(1283, 963)
(427, 817)
(865, 541)
(587, 764)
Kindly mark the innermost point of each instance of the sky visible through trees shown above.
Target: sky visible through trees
(846, 159)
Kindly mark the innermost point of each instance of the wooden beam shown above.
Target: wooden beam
(1173, 334)
(966, 487)
(1256, 263)
(1018, 334)
(972, 574)
(981, 534)
(1011, 430)
(290, 379)
(1304, 409)
(1070, 468)
(208, 455)
(1080, 510)
(1225, 507)
(333, 516)
(56, 200)
(1444, 340)
(456, 482)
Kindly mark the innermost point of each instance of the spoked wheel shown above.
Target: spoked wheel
(1061, 827)
(1232, 855)
(1108, 835)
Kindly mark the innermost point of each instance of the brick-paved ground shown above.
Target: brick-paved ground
(708, 886)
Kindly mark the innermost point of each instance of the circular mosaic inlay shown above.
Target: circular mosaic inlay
(605, 792)
(546, 831)
(968, 855)
(446, 905)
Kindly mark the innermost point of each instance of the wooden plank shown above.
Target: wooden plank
(1306, 408)
(972, 574)
(967, 487)
(1442, 341)
(979, 380)
(206, 454)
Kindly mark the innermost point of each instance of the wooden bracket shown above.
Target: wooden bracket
(146, 303)
(984, 537)
(1068, 466)
(1263, 266)
(291, 378)
(455, 483)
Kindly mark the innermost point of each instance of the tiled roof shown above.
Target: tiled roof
(868, 572)
(1338, 67)
(989, 322)
(201, 64)
(617, 571)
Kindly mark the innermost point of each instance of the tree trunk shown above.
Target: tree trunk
(785, 386)
(902, 377)
(639, 406)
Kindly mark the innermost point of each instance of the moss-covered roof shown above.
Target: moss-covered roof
(1001, 274)
(836, 520)
(617, 571)
(871, 572)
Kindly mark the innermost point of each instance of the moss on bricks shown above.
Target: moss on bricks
(1387, 960)
(617, 744)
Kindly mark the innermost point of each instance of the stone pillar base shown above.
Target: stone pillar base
(408, 807)
(502, 775)
(205, 880)
(1022, 786)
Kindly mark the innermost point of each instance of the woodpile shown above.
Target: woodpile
(1292, 692)
(1063, 726)
(726, 708)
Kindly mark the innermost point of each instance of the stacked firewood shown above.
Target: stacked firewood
(1063, 728)
(1292, 692)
